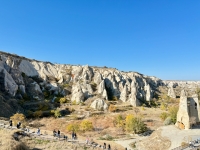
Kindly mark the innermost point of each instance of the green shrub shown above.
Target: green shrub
(173, 113)
(168, 121)
(135, 124)
(63, 100)
(163, 116)
(56, 113)
(73, 127)
(38, 114)
(86, 125)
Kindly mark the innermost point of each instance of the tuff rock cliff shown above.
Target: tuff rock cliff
(23, 78)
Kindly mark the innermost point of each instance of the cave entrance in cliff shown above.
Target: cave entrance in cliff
(181, 125)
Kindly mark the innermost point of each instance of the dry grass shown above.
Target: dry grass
(8, 142)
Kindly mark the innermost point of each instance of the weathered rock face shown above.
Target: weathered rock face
(194, 111)
(183, 112)
(171, 92)
(77, 94)
(124, 94)
(7, 83)
(99, 104)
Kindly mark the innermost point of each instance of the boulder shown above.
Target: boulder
(132, 97)
(7, 84)
(182, 115)
(148, 92)
(124, 94)
(77, 94)
(171, 92)
(99, 104)
(26, 67)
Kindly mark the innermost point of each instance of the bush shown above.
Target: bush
(73, 127)
(74, 102)
(106, 137)
(56, 113)
(119, 121)
(38, 114)
(63, 100)
(112, 108)
(173, 113)
(86, 125)
(168, 121)
(18, 117)
(163, 106)
(135, 124)
(163, 116)
(114, 98)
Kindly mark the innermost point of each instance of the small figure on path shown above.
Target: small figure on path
(10, 123)
(73, 135)
(87, 140)
(59, 134)
(104, 145)
(109, 147)
(65, 137)
(18, 125)
(54, 132)
(38, 131)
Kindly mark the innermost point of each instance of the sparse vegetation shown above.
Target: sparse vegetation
(86, 125)
(112, 108)
(18, 117)
(56, 113)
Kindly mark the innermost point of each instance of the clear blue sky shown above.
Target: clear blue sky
(153, 37)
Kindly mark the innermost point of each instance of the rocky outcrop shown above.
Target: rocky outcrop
(171, 92)
(7, 84)
(183, 112)
(132, 97)
(124, 94)
(77, 94)
(99, 104)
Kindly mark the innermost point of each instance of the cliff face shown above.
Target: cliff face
(22, 78)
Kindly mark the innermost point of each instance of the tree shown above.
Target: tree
(73, 127)
(119, 121)
(86, 125)
(129, 122)
(62, 100)
(135, 124)
(163, 116)
(56, 113)
(18, 117)
(112, 108)
(38, 114)
(173, 113)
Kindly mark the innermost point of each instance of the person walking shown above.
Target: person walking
(38, 131)
(18, 125)
(54, 132)
(73, 135)
(109, 147)
(59, 134)
(104, 145)
(10, 123)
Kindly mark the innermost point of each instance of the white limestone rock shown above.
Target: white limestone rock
(124, 94)
(171, 92)
(26, 67)
(99, 104)
(77, 94)
(182, 115)
(7, 82)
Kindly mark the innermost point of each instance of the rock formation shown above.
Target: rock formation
(183, 115)
(99, 104)
(171, 92)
